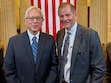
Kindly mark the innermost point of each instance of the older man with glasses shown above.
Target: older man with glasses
(31, 55)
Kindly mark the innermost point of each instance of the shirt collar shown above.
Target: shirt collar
(73, 28)
(31, 35)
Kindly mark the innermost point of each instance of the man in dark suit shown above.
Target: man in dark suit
(21, 64)
(84, 55)
(108, 64)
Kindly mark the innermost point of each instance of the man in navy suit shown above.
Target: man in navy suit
(84, 57)
(19, 63)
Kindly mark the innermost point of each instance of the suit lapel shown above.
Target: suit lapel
(77, 42)
(60, 41)
(27, 47)
(40, 48)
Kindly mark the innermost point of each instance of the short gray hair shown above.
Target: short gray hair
(30, 8)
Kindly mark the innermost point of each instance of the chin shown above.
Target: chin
(67, 27)
(35, 30)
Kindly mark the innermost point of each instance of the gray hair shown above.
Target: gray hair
(30, 8)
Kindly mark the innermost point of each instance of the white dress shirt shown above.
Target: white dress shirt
(68, 64)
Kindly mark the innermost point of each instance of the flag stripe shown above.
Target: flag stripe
(64, 0)
(50, 15)
(74, 4)
(57, 3)
(72, 1)
(35, 3)
(60, 23)
(60, 1)
(32, 2)
(68, 1)
(46, 14)
(39, 3)
(54, 17)
(44, 22)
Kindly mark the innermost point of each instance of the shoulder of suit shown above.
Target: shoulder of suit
(61, 31)
(46, 36)
(84, 29)
(15, 37)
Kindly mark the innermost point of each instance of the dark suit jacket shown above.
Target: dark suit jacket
(108, 64)
(19, 63)
(87, 57)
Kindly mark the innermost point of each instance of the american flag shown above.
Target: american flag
(49, 9)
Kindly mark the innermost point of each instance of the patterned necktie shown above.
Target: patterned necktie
(64, 57)
(34, 48)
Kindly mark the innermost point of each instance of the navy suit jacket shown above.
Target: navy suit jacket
(19, 63)
(87, 56)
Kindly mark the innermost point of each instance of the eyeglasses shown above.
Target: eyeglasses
(38, 18)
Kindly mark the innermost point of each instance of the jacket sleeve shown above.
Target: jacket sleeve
(52, 77)
(9, 65)
(97, 60)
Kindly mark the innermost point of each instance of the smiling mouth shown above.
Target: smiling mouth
(35, 25)
(65, 23)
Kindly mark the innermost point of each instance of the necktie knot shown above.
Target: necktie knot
(68, 33)
(34, 39)
(67, 37)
